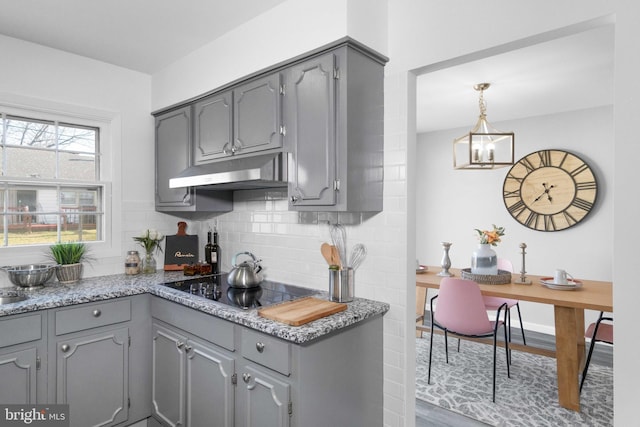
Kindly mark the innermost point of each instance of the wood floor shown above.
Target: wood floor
(428, 415)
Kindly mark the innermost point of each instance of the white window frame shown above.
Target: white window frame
(109, 125)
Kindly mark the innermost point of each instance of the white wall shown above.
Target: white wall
(33, 76)
(452, 203)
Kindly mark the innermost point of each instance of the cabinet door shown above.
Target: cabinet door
(264, 400)
(168, 376)
(310, 120)
(173, 145)
(92, 376)
(19, 370)
(257, 115)
(213, 127)
(210, 390)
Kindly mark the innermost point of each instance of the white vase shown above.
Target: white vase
(484, 260)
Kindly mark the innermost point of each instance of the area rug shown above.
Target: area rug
(528, 398)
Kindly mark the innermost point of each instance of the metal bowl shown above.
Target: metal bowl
(31, 275)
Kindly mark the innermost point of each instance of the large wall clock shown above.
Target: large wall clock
(549, 190)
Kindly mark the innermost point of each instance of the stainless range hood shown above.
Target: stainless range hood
(260, 171)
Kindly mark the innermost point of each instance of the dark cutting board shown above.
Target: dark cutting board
(180, 249)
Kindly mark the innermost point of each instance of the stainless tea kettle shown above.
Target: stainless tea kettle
(246, 274)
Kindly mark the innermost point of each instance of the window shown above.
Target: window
(50, 187)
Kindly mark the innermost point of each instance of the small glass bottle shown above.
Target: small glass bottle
(132, 263)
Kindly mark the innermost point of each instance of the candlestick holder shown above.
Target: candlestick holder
(523, 278)
(446, 261)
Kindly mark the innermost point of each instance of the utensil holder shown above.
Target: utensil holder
(341, 284)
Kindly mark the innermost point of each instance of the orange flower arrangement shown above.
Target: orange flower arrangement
(490, 237)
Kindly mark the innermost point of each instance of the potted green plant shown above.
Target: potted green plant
(69, 257)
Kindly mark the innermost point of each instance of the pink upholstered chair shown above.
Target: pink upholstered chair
(597, 331)
(461, 311)
(492, 303)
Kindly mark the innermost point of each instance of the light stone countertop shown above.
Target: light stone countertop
(102, 288)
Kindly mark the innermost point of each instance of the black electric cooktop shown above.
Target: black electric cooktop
(216, 288)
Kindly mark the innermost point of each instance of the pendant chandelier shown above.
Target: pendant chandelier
(484, 147)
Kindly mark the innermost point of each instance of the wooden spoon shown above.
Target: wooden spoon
(335, 256)
(327, 252)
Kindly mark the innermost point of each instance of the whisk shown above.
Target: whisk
(339, 238)
(358, 254)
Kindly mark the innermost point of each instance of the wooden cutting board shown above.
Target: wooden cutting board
(301, 311)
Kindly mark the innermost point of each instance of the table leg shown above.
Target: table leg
(569, 354)
(421, 301)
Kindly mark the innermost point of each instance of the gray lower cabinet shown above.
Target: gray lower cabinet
(333, 115)
(264, 400)
(193, 367)
(22, 352)
(92, 376)
(98, 361)
(240, 377)
(191, 380)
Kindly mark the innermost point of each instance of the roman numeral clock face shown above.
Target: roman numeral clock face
(549, 190)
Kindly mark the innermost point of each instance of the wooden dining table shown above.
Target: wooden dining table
(569, 306)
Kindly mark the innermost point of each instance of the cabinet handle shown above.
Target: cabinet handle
(65, 348)
(235, 148)
(96, 312)
(260, 347)
(187, 348)
(226, 149)
(246, 377)
(294, 199)
(179, 345)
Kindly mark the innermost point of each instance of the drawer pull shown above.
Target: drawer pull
(65, 348)
(260, 347)
(96, 312)
(188, 348)
(179, 344)
(246, 377)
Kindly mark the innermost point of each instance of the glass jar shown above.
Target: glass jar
(132, 264)
(149, 264)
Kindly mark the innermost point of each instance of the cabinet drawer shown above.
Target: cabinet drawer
(210, 328)
(89, 316)
(266, 351)
(20, 329)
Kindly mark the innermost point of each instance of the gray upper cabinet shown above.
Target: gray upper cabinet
(333, 115)
(239, 121)
(213, 128)
(257, 113)
(310, 111)
(173, 155)
(323, 110)
(173, 143)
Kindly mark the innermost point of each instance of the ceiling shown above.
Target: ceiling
(564, 74)
(142, 35)
(568, 73)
